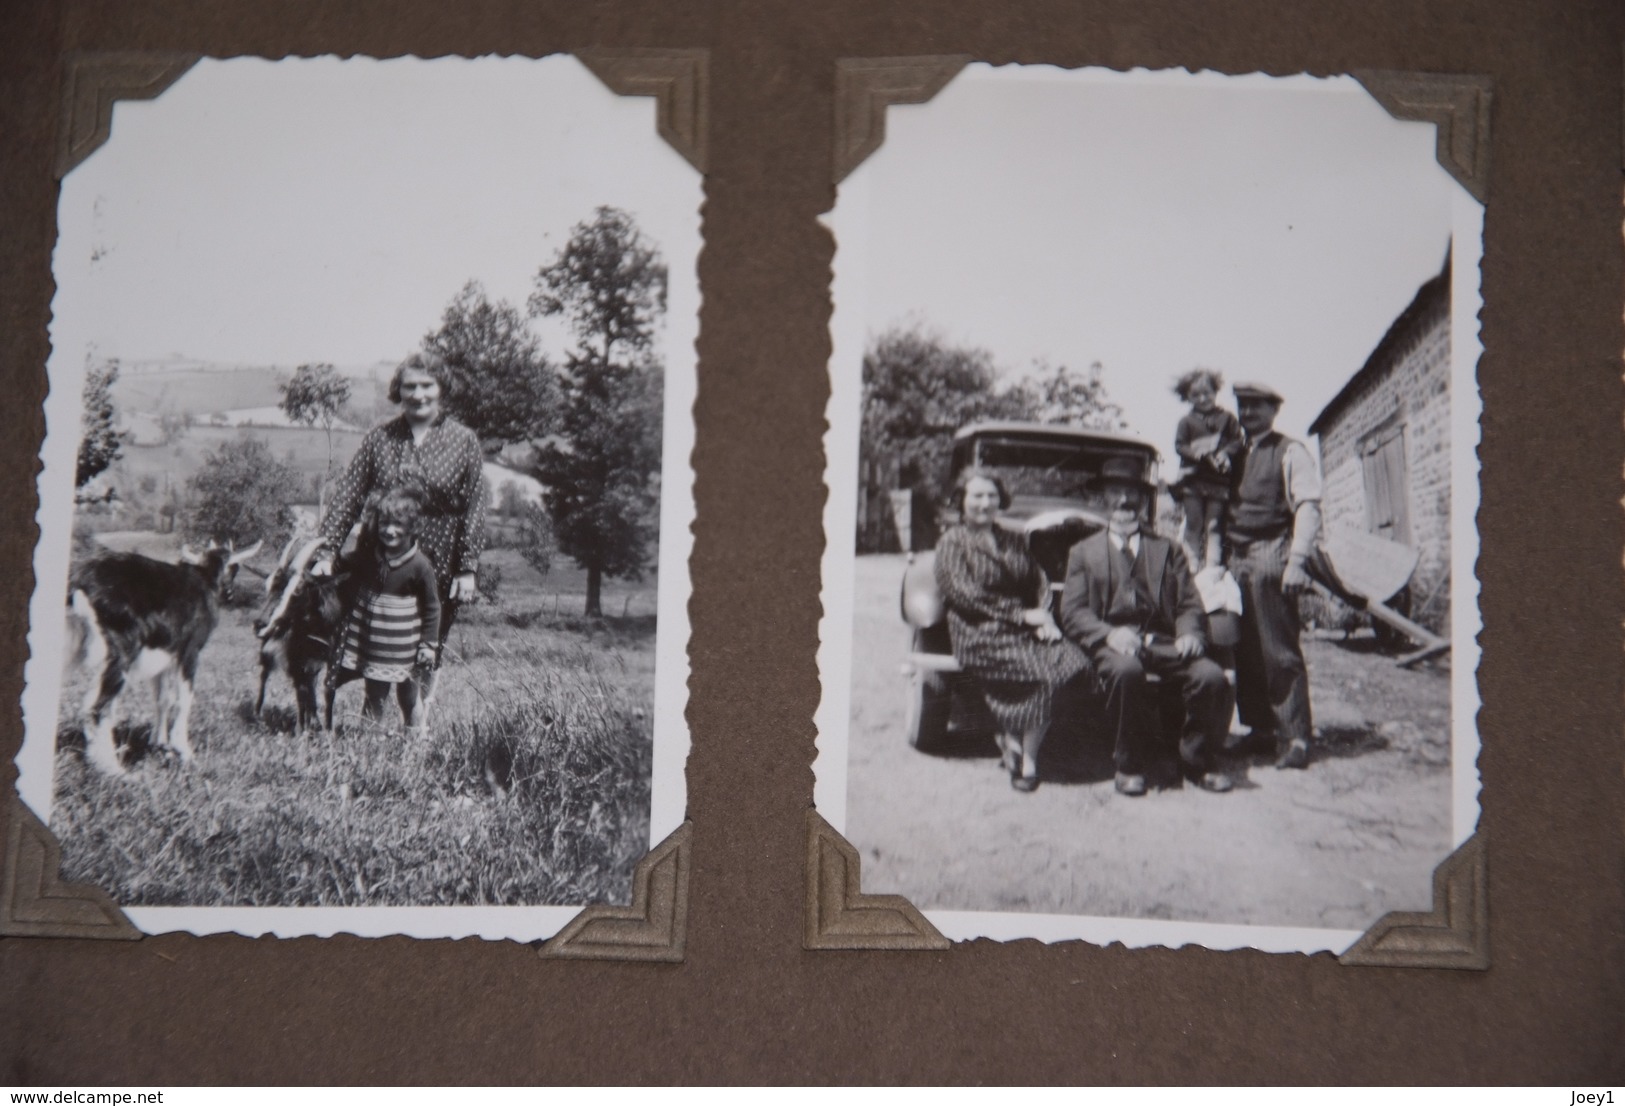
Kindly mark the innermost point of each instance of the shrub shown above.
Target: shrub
(489, 581)
(536, 542)
(84, 540)
(243, 495)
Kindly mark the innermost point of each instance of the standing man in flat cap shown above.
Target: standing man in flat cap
(1274, 526)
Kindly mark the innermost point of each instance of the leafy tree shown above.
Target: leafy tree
(99, 438)
(173, 425)
(1073, 397)
(608, 283)
(503, 387)
(511, 501)
(917, 392)
(243, 494)
(602, 466)
(314, 397)
(171, 509)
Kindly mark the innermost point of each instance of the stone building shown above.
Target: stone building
(1385, 446)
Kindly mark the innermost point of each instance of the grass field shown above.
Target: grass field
(532, 788)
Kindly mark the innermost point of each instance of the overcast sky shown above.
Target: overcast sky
(329, 210)
(1153, 222)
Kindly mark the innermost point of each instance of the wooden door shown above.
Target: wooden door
(1387, 487)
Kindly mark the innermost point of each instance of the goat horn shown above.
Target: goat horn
(243, 554)
(306, 552)
(287, 552)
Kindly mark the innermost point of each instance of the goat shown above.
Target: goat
(297, 628)
(133, 615)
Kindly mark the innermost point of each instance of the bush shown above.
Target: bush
(243, 495)
(536, 542)
(489, 581)
(84, 541)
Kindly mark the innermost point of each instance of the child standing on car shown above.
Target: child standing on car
(389, 637)
(1208, 442)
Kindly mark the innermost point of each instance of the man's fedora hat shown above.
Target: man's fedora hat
(1122, 470)
(1257, 391)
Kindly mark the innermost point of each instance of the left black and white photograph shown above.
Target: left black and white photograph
(365, 500)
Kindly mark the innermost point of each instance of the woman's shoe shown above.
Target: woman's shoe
(1010, 754)
(1295, 755)
(1018, 778)
(1131, 784)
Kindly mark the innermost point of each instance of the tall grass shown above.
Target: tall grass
(532, 788)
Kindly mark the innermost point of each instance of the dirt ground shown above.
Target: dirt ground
(1355, 835)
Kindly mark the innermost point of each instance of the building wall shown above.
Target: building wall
(1412, 389)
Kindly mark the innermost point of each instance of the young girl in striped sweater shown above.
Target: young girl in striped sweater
(389, 638)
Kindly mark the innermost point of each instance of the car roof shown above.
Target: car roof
(1039, 430)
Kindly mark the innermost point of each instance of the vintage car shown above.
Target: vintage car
(1049, 471)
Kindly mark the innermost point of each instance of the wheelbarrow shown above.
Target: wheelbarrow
(1366, 572)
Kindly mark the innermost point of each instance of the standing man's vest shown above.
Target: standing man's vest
(1258, 505)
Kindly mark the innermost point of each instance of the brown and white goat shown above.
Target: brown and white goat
(297, 628)
(136, 616)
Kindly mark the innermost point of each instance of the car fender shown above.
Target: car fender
(921, 600)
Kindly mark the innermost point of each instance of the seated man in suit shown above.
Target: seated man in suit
(1130, 601)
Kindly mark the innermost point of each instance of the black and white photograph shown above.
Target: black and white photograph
(1149, 605)
(361, 583)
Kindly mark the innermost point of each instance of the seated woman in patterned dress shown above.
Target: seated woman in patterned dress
(1000, 623)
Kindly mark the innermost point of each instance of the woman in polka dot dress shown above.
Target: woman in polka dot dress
(427, 445)
(1000, 623)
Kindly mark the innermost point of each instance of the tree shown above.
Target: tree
(173, 425)
(511, 501)
(610, 285)
(171, 509)
(243, 494)
(99, 437)
(1073, 397)
(917, 392)
(602, 466)
(503, 387)
(313, 398)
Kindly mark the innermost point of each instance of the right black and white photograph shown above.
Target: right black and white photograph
(1149, 601)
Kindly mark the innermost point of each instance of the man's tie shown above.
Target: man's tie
(1125, 553)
